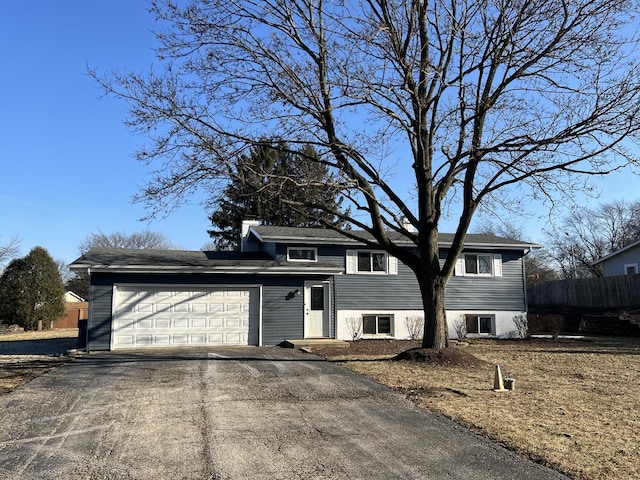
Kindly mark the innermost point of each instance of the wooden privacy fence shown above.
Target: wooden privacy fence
(609, 292)
(75, 311)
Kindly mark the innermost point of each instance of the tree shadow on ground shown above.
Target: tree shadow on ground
(49, 346)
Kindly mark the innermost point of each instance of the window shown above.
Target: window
(376, 324)
(631, 269)
(372, 262)
(317, 298)
(298, 254)
(477, 264)
(479, 324)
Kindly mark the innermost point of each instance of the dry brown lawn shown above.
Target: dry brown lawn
(24, 356)
(576, 406)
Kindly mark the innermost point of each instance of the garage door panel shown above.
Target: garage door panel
(162, 340)
(198, 307)
(215, 322)
(215, 308)
(148, 316)
(162, 323)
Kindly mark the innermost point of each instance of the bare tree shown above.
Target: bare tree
(538, 264)
(475, 101)
(9, 250)
(137, 240)
(587, 234)
(63, 270)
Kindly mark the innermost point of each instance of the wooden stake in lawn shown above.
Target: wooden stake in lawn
(498, 385)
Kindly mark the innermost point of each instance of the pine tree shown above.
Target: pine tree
(31, 291)
(279, 186)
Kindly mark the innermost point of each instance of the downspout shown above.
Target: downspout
(524, 280)
(86, 339)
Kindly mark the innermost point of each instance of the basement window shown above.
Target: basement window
(377, 324)
(480, 324)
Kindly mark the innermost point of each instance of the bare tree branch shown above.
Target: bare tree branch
(475, 102)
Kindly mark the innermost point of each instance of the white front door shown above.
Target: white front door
(316, 309)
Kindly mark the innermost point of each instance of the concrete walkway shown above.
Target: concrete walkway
(232, 413)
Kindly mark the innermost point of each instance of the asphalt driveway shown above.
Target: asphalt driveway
(232, 413)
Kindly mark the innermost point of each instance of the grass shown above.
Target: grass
(27, 355)
(576, 406)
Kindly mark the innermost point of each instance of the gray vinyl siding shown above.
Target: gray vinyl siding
(401, 291)
(614, 266)
(282, 313)
(490, 293)
(99, 324)
(269, 248)
(384, 292)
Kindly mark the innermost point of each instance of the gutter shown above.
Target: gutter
(236, 270)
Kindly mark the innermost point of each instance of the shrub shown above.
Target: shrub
(415, 327)
(522, 325)
(460, 327)
(354, 326)
(555, 324)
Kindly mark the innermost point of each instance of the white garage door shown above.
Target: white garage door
(164, 316)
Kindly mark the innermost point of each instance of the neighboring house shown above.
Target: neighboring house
(621, 262)
(290, 283)
(70, 297)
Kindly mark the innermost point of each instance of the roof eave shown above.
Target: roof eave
(350, 241)
(234, 270)
(501, 246)
(617, 252)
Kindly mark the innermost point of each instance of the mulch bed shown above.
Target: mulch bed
(451, 356)
(402, 350)
(368, 348)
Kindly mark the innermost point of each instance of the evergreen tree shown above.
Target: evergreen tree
(31, 291)
(278, 185)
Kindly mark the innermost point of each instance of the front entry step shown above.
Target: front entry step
(315, 342)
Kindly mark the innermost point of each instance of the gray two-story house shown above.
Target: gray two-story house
(291, 283)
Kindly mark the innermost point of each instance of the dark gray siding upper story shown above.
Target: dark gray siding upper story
(269, 248)
(614, 266)
(282, 313)
(490, 293)
(401, 291)
(384, 292)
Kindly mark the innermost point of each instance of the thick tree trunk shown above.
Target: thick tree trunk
(436, 331)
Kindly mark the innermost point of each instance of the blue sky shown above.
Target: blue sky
(66, 158)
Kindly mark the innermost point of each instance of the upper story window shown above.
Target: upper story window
(302, 254)
(371, 262)
(478, 264)
(630, 268)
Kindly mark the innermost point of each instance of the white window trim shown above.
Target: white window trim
(379, 335)
(630, 265)
(391, 263)
(496, 265)
(313, 249)
(479, 333)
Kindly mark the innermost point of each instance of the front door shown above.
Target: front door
(316, 309)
